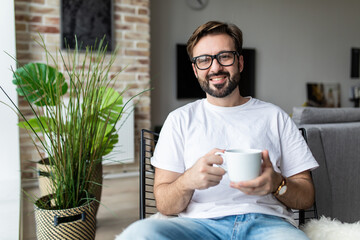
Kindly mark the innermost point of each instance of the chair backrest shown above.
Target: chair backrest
(306, 214)
(147, 171)
(147, 200)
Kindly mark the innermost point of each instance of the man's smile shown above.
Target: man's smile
(218, 79)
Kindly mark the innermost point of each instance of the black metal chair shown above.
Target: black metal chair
(306, 214)
(147, 200)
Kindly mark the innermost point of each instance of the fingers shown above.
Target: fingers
(203, 174)
(261, 185)
(214, 159)
(208, 177)
(266, 158)
(253, 187)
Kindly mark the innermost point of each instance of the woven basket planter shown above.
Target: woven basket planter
(75, 223)
(46, 187)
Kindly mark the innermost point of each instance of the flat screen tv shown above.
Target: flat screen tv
(188, 86)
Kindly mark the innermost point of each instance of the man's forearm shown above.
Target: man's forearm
(300, 193)
(172, 198)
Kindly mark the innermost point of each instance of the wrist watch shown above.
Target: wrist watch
(281, 190)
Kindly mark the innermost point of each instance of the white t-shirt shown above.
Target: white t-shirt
(196, 128)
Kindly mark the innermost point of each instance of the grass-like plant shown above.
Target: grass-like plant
(76, 111)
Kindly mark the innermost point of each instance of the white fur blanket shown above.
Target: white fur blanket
(327, 229)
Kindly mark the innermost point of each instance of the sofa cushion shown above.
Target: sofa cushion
(313, 115)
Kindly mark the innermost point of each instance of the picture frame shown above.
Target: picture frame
(88, 20)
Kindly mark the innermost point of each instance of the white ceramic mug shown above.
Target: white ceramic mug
(241, 164)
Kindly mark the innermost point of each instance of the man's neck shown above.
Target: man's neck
(232, 100)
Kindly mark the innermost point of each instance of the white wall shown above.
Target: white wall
(9, 135)
(297, 41)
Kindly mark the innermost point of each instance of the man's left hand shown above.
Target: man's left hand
(266, 183)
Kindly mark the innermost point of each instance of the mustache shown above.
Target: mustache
(217, 74)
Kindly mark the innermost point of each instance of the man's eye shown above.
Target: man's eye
(203, 60)
(225, 56)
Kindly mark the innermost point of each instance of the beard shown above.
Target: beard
(221, 90)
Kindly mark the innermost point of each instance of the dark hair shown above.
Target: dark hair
(214, 27)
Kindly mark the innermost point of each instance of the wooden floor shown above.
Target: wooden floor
(120, 207)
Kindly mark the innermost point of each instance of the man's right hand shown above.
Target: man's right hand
(173, 191)
(204, 174)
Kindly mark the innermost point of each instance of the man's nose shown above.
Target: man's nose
(215, 66)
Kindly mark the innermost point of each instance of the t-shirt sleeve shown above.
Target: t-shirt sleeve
(296, 155)
(169, 150)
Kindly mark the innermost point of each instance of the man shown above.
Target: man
(187, 180)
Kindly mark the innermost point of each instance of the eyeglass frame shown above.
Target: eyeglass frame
(235, 53)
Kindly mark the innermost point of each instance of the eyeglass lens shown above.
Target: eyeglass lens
(223, 58)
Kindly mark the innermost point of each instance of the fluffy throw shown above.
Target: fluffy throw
(328, 229)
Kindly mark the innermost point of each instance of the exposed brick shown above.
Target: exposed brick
(143, 11)
(21, 7)
(53, 39)
(137, 69)
(142, 28)
(145, 45)
(53, 2)
(124, 76)
(28, 18)
(44, 29)
(32, 1)
(44, 10)
(34, 47)
(20, 27)
(22, 46)
(135, 19)
(142, 3)
(124, 26)
(29, 56)
(144, 61)
(124, 44)
(52, 20)
(138, 53)
(123, 9)
(144, 78)
(22, 36)
(136, 36)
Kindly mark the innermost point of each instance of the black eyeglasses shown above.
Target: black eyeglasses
(225, 58)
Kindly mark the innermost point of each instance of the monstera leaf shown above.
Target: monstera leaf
(40, 83)
(111, 105)
(110, 112)
(110, 140)
(38, 124)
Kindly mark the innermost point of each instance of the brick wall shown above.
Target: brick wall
(131, 33)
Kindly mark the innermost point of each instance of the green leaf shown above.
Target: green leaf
(113, 139)
(41, 84)
(38, 124)
(111, 105)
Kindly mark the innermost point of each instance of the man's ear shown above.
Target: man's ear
(195, 70)
(241, 63)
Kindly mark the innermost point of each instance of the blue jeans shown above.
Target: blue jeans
(248, 226)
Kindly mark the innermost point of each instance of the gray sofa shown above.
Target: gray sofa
(333, 136)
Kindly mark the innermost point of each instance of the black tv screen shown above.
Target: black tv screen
(188, 86)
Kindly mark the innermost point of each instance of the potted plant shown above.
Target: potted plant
(76, 112)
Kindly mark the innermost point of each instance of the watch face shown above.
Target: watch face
(283, 190)
(197, 4)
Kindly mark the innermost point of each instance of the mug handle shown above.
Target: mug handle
(223, 166)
